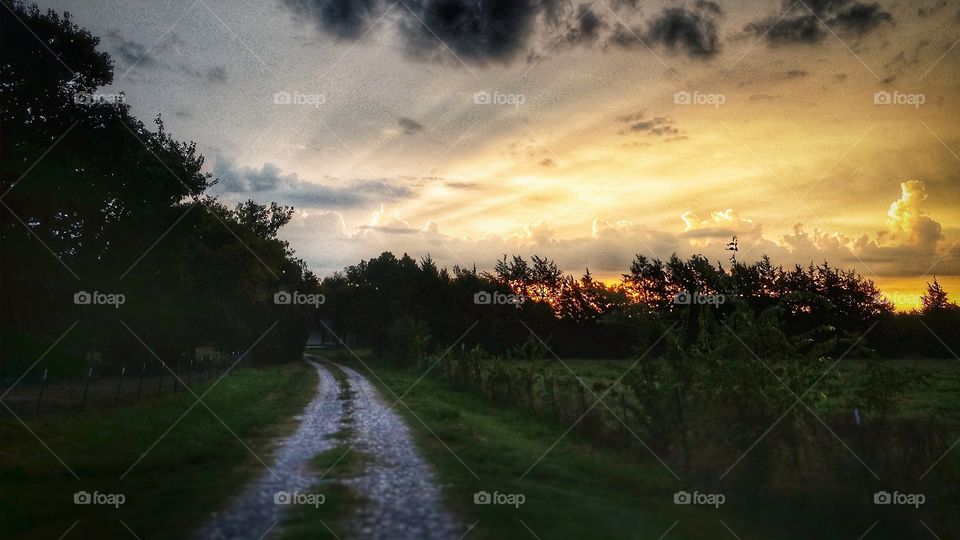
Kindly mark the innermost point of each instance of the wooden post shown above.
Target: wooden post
(86, 389)
(43, 383)
(116, 397)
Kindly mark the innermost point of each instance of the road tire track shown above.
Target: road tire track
(402, 498)
(253, 513)
(400, 487)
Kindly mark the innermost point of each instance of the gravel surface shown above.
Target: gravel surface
(402, 497)
(253, 513)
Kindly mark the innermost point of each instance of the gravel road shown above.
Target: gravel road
(402, 490)
(253, 513)
(403, 499)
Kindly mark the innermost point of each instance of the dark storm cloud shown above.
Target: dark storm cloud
(860, 18)
(409, 126)
(269, 183)
(678, 29)
(490, 30)
(808, 22)
(499, 31)
(693, 31)
(587, 25)
(345, 19)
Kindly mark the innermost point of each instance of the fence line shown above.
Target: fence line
(102, 388)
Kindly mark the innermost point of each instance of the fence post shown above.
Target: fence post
(86, 389)
(176, 376)
(116, 397)
(43, 383)
(143, 372)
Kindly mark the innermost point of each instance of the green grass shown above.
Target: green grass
(334, 518)
(576, 491)
(934, 395)
(193, 469)
(583, 489)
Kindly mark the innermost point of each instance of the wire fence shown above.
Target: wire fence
(100, 387)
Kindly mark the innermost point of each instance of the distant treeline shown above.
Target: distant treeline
(104, 223)
(406, 308)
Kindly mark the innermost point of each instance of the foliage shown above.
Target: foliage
(94, 200)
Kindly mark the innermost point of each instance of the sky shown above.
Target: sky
(587, 132)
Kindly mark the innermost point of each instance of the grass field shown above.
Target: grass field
(933, 395)
(578, 489)
(185, 474)
(575, 491)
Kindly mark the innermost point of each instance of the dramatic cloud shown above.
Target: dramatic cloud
(860, 18)
(344, 19)
(499, 31)
(804, 21)
(907, 220)
(587, 26)
(910, 244)
(494, 30)
(676, 28)
(269, 183)
(693, 31)
(720, 225)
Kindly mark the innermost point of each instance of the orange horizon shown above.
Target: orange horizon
(903, 291)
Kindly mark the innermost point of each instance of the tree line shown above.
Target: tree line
(404, 307)
(106, 229)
